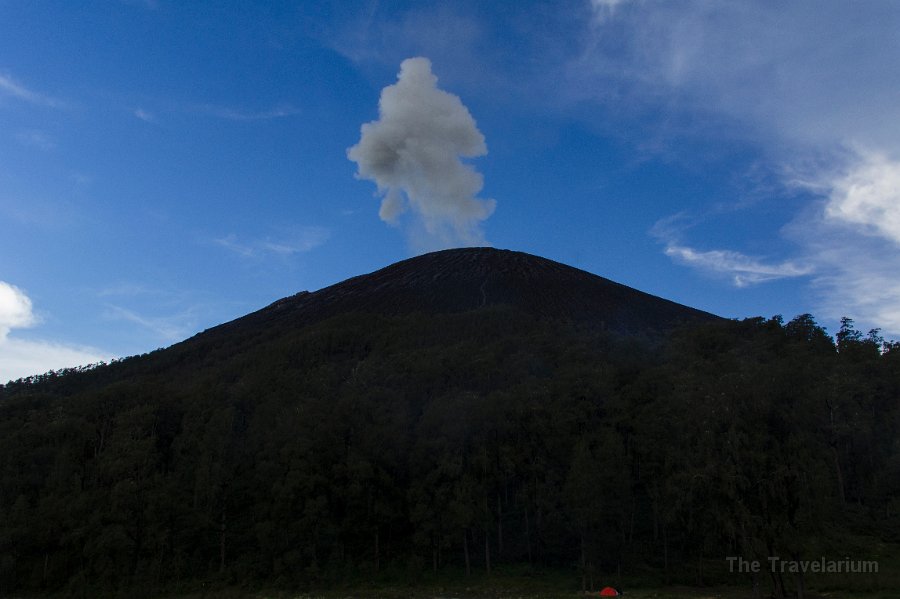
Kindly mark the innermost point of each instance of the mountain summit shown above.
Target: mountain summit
(459, 280)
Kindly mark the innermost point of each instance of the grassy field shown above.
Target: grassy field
(514, 586)
(511, 582)
(524, 593)
(519, 582)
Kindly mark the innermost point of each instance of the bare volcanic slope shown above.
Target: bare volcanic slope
(460, 280)
(449, 282)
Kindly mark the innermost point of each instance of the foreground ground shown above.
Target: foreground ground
(515, 583)
(514, 586)
(498, 593)
(503, 591)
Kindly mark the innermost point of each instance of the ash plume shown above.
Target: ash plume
(414, 153)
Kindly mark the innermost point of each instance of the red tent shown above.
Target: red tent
(609, 592)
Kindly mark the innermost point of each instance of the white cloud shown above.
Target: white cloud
(811, 82)
(856, 275)
(12, 88)
(870, 297)
(868, 196)
(15, 309)
(413, 154)
(851, 234)
(743, 270)
(21, 357)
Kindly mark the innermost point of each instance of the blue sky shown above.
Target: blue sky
(168, 166)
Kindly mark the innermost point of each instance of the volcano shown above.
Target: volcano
(461, 283)
(464, 407)
(448, 283)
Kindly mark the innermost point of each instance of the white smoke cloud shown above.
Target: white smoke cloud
(413, 154)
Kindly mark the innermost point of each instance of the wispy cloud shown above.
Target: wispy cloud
(604, 9)
(148, 4)
(230, 242)
(144, 115)
(790, 85)
(374, 36)
(36, 139)
(297, 242)
(131, 289)
(846, 246)
(824, 96)
(38, 213)
(458, 41)
(160, 315)
(743, 270)
(167, 328)
(11, 87)
(233, 114)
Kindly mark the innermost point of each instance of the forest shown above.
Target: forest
(417, 443)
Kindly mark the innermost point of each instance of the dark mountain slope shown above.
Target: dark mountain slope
(448, 282)
(459, 280)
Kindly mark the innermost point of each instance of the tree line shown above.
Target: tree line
(418, 444)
